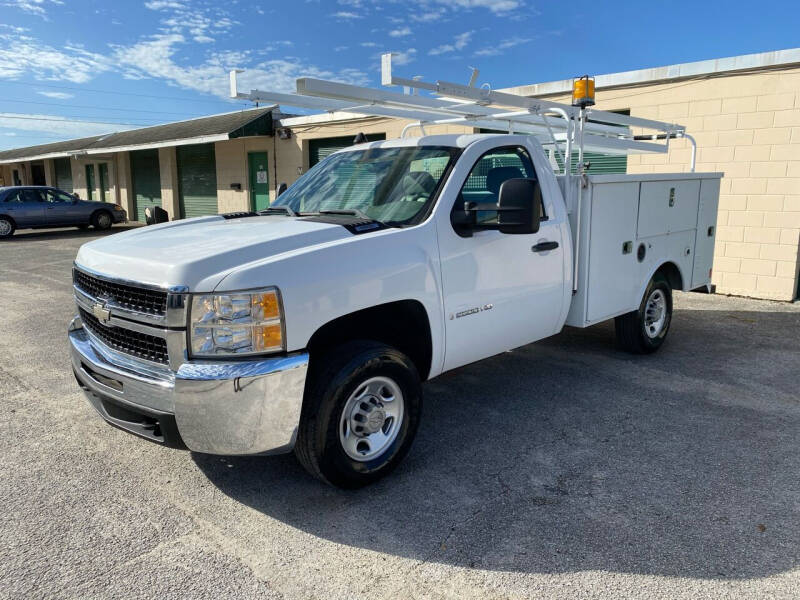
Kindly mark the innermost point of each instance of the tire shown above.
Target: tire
(102, 220)
(643, 331)
(349, 378)
(7, 227)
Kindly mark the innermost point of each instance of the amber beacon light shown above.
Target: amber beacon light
(583, 91)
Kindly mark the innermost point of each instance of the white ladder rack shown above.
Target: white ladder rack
(562, 127)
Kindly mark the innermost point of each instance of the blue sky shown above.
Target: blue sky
(82, 67)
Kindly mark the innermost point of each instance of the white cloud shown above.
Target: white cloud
(368, 45)
(502, 46)
(459, 43)
(427, 16)
(56, 125)
(57, 95)
(202, 24)
(400, 32)
(155, 57)
(347, 15)
(34, 7)
(20, 53)
(165, 5)
(427, 11)
(498, 7)
(403, 58)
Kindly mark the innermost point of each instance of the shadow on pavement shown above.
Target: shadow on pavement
(568, 456)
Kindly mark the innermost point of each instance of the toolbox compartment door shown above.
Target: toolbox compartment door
(613, 284)
(706, 232)
(667, 206)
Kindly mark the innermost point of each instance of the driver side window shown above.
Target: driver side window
(57, 197)
(489, 173)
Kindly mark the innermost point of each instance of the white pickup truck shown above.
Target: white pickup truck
(311, 326)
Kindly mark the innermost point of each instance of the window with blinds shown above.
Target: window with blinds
(63, 174)
(323, 147)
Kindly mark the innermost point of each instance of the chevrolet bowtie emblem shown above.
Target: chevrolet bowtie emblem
(101, 313)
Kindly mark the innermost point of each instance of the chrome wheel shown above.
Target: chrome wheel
(5, 228)
(371, 419)
(655, 313)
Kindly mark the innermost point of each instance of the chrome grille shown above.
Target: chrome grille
(143, 300)
(139, 345)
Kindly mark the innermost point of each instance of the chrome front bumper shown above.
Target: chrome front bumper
(215, 407)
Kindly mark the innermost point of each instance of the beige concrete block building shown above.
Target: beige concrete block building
(744, 113)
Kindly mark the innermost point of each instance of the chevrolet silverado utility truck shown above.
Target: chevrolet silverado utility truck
(311, 326)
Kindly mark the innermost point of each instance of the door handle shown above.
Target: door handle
(545, 246)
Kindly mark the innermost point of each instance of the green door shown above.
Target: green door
(63, 174)
(146, 179)
(90, 182)
(197, 176)
(259, 181)
(324, 147)
(105, 192)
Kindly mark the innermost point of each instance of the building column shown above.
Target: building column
(122, 180)
(78, 178)
(50, 172)
(168, 167)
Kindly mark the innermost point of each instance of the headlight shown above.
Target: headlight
(236, 324)
(117, 207)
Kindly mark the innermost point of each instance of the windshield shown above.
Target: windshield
(395, 186)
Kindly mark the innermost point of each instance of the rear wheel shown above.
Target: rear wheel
(644, 330)
(6, 227)
(102, 219)
(360, 414)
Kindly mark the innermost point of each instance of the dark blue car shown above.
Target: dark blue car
(31, 207)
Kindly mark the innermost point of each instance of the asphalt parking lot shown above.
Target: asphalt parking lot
(563, 469)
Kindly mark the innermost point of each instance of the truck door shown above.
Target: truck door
(500, 290)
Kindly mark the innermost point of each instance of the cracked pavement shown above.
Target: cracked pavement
(564, 469)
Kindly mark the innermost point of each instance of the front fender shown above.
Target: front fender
(332, 280)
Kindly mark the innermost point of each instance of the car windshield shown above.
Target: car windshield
(395, 186)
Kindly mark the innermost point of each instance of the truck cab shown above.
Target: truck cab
(311, 325)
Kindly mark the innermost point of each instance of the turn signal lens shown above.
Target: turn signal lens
(268, 338)
(265, 306)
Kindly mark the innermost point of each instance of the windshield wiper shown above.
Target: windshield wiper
(348, 211)
(280, 210)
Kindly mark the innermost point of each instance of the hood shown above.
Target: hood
(199, 252)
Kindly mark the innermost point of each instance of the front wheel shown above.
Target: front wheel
(102, 220)
(360, 415)
(644, 330)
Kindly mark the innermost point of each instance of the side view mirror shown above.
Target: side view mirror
(282, 188)
(519, 206)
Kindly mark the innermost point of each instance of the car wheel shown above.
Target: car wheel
(6, 227)
(644, 330)
(102, 220)
(360, 414)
